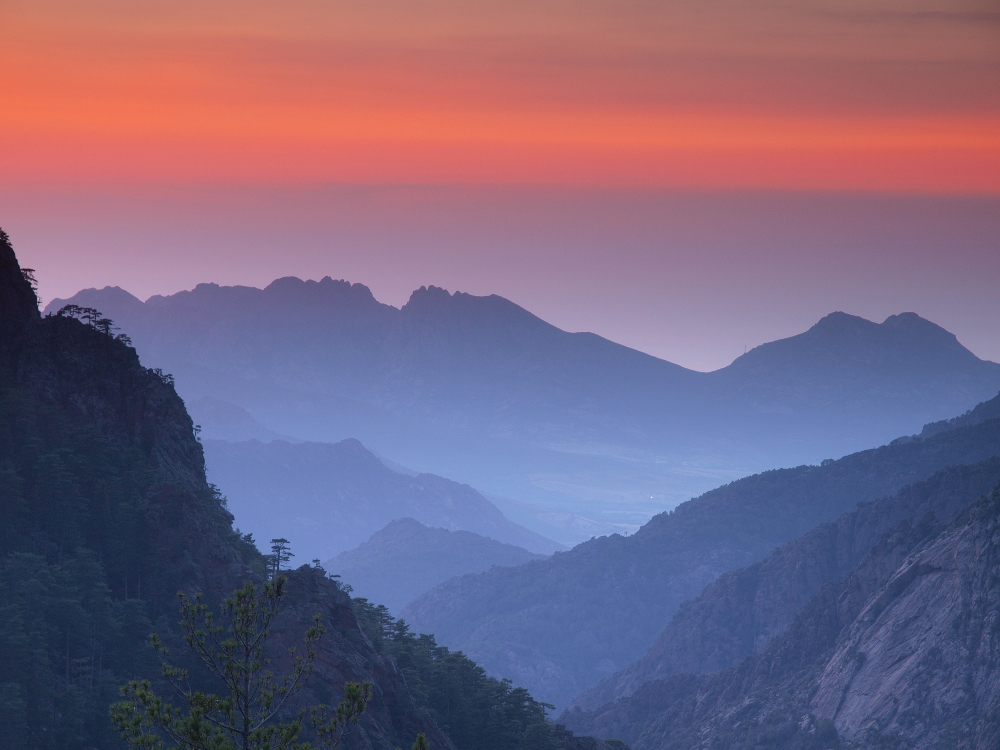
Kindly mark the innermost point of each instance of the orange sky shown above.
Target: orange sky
(876, 95)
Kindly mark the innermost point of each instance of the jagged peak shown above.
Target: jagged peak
(17, 295)
(435, 301)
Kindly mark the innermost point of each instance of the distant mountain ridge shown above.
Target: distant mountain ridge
(406, 558)
(328, 498)
(480, 390)
(562, 624)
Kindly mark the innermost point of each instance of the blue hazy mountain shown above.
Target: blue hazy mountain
(406, 558)
(482, 391)
(327, 498)
(561, 624)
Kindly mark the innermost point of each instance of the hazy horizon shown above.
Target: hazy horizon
(692, 277)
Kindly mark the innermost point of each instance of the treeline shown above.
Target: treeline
(476, 711)
(80, 587)
(73, 540)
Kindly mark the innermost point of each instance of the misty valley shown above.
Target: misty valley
(453, 525)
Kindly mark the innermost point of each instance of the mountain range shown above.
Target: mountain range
(482, 391)
(562, 624)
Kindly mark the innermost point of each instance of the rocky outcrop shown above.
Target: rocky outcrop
(902, 653)
(741, 612)
(18, 303)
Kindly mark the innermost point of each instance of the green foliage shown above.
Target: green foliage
(475, 710)
(246, 716)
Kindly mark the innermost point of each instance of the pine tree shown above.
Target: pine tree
(245, 719)
(280, 554)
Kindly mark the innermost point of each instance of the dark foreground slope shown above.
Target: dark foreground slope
(741, 612)
(903, 653)
(559, 625)
(104, 514)
(406, 558)
(327, 498)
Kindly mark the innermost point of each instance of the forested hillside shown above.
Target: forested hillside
(105, 513)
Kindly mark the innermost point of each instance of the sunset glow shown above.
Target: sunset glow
(864, 96)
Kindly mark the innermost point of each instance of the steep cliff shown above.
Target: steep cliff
(902, 653)
(741, 612)
(105, 513)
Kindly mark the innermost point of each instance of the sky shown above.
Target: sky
(688, 178)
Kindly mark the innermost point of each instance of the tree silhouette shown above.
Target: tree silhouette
(245, 719)
(280, 554)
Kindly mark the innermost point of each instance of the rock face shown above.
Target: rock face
(919, 663)
(18, 302)
(328, 498)
(743, 611)
(901, 653)
(406, 558)
(560, 625)
(77, 407)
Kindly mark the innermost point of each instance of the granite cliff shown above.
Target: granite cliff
(741, 612)
(901, 653)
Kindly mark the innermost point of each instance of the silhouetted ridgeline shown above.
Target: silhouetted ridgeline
(562, 624)
(482, 391)
(105, 513)
(901, 653)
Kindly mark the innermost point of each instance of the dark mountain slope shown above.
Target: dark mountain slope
(742, 611)
(479, 389)
(406, 558)
(104, 514)
(558, 626)
(328, 498)
(902, 653)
